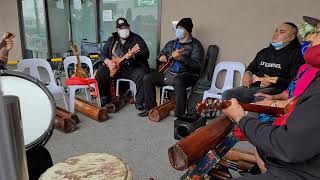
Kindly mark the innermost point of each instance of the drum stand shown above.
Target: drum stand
(12, 155)
(211, 159)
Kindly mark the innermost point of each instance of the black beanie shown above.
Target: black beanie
(186, 23)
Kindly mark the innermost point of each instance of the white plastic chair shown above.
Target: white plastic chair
(72, 88)
(33, 64)
(230, 67)
(132, 84)
(165, 88)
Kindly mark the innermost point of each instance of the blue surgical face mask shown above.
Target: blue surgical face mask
(277, 45)
(304, 46)
(179, 33)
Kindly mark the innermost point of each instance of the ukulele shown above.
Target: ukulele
(79, 71)
(6, 36)
(165, 66)
(118, 60)
(268, 78)
(212, 104)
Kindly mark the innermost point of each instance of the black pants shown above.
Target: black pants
(246, 95)
(136, 75)
(180, 83)
(38, 160)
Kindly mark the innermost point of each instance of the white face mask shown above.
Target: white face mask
(124, 33)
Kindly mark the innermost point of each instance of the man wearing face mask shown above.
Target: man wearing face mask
(280, 61)
(134, 67)
(290, 150)
(187, 54)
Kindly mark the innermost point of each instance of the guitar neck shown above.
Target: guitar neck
(275, 111)
(78, 61)
(3, 43)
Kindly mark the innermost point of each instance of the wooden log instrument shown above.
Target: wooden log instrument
(64, 113)
(118, 60)
(213, 104)
(194, 147)
(65, 121)
(191, 149)
(160, 112)
(79, 71)
(7, 35)
(90, 110)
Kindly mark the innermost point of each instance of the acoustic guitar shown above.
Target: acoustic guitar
(118, 60)
(79, 71)
(6, 36)
(213, 104)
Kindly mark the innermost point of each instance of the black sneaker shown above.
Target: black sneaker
(139, 106)
(143, 114)
(105, 100)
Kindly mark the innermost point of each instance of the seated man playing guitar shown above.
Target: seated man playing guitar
(290, 149)
(183, 58)
(273, 67)
(124, 55)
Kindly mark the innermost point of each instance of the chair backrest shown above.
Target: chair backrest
(230, 67)
(72, 60)
(33, 64)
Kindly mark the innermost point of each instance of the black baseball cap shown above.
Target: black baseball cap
(310, 20)
(121, 22)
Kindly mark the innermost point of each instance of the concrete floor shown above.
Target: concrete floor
(141, 143)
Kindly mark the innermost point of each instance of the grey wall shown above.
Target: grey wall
(239, 27)
(9, 21)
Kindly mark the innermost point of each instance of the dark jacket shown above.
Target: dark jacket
(192, 56)
(139, 59)
(283, 63)
(292, 149)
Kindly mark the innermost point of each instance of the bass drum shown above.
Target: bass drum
(37, 106)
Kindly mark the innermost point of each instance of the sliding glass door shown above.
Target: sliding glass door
(142, 15)
(35, 31)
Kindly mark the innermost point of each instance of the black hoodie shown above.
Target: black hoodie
(292, 151)
(283, 63)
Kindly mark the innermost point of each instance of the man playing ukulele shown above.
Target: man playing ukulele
(134, 53)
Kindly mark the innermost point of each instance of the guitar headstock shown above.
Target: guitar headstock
(7, 35)
(210, 105)
(74, 49)
(135, 48)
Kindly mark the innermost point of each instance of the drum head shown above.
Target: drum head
(37, 105)
(89, 167)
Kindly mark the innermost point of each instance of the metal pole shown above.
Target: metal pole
(13, 164)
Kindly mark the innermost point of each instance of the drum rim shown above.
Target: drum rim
(48, 132)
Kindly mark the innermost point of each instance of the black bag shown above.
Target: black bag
(204, 82)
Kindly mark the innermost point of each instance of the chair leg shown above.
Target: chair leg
(71, 100)
(98, 97)
(117, 88)
(87, 94)
(162, 96)
(64, 99)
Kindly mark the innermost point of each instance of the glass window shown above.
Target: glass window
(35, 34)
(142, 16)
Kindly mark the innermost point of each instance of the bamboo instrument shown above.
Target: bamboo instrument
(90, 110)
(160, 112)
